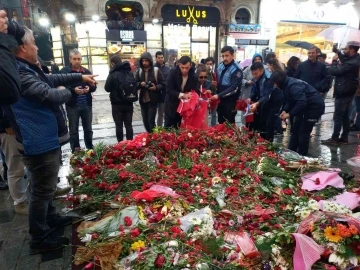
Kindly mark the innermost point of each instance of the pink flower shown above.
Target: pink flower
(231, 222)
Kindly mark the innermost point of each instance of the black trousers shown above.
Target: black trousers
(265, 124)
(300, 137)
(227, 111)
(172, 121)
(148, 113)
(122, 115)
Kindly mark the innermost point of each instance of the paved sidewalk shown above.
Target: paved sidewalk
(14, 238)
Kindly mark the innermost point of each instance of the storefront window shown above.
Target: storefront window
(288, 31)
(242, 16)
(125, 15)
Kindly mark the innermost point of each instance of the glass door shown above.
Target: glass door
(199, 50)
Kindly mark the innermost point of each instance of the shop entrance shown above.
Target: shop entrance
(199, 50)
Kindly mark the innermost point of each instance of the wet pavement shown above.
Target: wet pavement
(14, 240)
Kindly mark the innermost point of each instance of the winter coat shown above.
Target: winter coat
(290, 72)
(115, 78)
(247, 76)
(314, 73)
(9, 76)
(301, 98)
(72, 102)
(37, 118)
(230, 79)
(261, 89)
(173, 89)
(346, 76)
(165, 71)
(159, 82)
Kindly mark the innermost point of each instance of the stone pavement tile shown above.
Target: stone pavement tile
(15, 238)
(6, 216)
(52, 265)
(20, 222)
(28, 262)
(9, 257)
(4, 229)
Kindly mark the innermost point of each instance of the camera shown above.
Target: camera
(148, 84)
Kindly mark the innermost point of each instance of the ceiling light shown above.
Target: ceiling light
(126, 9)
(95, 18)
(70, 17)
(44, 22)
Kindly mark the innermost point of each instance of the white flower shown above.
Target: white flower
(189, 134)
(336, 259)
(127, 165)
(86, 238)
(196, 221)
(216, 180)
(201, 201)
(314, 205)
(83, 197)
(164, 210)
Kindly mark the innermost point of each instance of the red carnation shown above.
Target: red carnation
(135, 232)
(127, 221)
(231, 190)
(175, 229)
(287, 191)
(317, 181)
(102, 185)
(159, 261)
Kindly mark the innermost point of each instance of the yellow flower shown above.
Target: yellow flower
(89, 152)
(332, 234)
(141, 213)
(138, 245)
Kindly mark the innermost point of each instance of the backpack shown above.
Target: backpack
(128, 89)
(156, 71)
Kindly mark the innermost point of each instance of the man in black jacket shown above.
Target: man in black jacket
(313, 72)
(304, 103)
(151, 83)
(165, 70)
(35, 123)
(80, 105)
(9, 76)
(180, 82)
(346, 83)
(122, 110)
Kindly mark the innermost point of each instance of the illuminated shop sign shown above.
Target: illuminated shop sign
(188, 26)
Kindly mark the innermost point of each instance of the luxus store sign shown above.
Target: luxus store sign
(192, 15)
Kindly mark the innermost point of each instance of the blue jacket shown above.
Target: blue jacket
(230, 79)
(301, 98)
(261, 89)
(36, 117)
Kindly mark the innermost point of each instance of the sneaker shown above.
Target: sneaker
(49, 244)
(354, 128)
(330, 141)
(59, 221)
(343, 141)
(22, 208)
(61, 191)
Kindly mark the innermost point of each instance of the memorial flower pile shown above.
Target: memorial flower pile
(219, 198)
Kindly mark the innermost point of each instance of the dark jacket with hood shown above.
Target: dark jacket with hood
(72, 102)
(115, 78)
(247, 76)
(302, 99)
(314, 73)
(9, 75)
(159, 82)
(37, 118)
(346, 76)
(173, 89)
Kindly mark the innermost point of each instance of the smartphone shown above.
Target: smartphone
(335, 47)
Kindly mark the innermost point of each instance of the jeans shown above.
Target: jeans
(5, 167)
(227, 111)
(357, 102)
(17, 179)
(300, 137)
(74, 114)
(122, 115)
(213, 118)
(44, 170)
(352, 110)
(341, 117)
(148, 113)
(160, 117)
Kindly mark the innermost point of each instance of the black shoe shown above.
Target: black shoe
(354, 128)
(343, 141)
(3, 185)
(330, 141)
(59, 221)
(49, 244)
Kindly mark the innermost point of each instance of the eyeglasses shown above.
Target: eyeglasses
(202, 77)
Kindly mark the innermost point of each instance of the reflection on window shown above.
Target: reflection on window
(242, 16)
(125, 15)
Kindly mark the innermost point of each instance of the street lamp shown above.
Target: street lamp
(44, 22)
(70, 17)
(95, 18)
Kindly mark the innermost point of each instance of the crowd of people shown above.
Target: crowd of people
(33, 122)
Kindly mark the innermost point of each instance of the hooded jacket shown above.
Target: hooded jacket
(302, 99)
(159, 82)
(247, 76)
(346, 76)
(115, 78)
